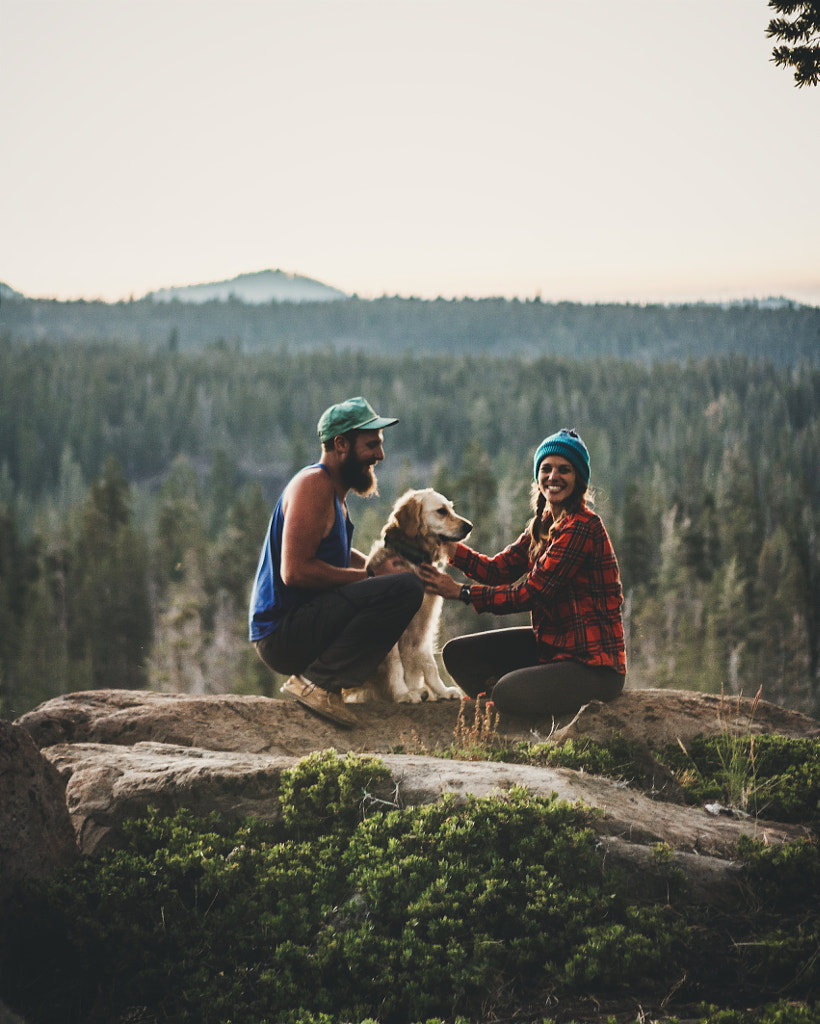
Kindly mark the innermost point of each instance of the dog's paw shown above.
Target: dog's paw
(443, 692)
(408, 697)
(452, 693)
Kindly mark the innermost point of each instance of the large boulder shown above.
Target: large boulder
(661, 717)
(121, 752)
(107, 784)
(271, 726)
(249, 724)
(109, 755)
(36, 833)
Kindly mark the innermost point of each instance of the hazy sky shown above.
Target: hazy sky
(593, 150)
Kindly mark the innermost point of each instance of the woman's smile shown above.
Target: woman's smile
(556, 479)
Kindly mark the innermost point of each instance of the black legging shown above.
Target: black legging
(505, 661)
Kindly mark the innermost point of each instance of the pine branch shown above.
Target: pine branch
(803, 29)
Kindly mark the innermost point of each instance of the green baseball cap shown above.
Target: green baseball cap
(352, 414)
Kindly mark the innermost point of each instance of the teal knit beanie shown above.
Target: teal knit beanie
(568, 444)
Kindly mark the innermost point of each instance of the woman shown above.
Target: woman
(562, 570)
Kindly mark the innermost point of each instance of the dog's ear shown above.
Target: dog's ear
(392, 525)
(407, 515)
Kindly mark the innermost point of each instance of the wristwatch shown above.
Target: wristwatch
(464, 593)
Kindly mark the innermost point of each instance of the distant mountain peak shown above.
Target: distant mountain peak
(7, 292)
(256, 288)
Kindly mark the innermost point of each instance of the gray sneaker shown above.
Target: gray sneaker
(322, 702)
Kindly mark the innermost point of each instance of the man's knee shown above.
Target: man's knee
(263, 650)
(411, 589)
(416, 584)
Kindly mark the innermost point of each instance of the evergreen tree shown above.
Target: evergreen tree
(221, 490)
(635, 550)
(236, 550)
(740, 513)
(43, 668)
(780, 639)
(700, 539)
(17, 573)
(180, 642)
(474, 492)
(728, 625)
(109, 614)
(799, 33)
(180, 526)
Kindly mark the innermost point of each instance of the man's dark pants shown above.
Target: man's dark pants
(338, 638)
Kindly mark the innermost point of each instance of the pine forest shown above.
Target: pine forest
(140, 458)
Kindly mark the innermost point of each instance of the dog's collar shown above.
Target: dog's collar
(418, 556)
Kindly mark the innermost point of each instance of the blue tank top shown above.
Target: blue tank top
(271, 600)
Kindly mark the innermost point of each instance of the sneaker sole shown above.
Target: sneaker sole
(326, 715)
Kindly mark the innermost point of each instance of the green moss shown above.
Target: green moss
(770, 776)
(783, 875)
(617, 759)
(780, 1012)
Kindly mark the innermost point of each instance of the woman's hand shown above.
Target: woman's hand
(438, 582)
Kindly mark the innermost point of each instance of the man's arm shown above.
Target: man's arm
(309, 511)
(357, 559)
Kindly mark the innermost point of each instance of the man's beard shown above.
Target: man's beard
(359, 476)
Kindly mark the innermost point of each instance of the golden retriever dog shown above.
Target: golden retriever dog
(419, 524)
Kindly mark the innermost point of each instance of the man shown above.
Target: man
(317, 613)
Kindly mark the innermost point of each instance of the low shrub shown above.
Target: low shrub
(770, 776)
(780, 1012)
(350, 909)
(618, 759)
(393, 915)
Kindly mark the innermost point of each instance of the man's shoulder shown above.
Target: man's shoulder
(313, 483)
(314, 470)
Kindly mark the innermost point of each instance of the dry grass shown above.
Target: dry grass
(472, 738)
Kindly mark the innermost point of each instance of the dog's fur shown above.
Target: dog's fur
(419, 524)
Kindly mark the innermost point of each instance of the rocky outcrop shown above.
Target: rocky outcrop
(106, 784)
(660, 717)
(255, 725)
(122, 752)
(36, 833)
(260, 725)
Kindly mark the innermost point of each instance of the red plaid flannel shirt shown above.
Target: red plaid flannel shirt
(573, 591)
